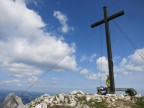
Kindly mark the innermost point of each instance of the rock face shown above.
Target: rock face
(77, 99)
(12, 101)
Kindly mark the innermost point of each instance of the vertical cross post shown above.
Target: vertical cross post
(108, 41)
(109, 52)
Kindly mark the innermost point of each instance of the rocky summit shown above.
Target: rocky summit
(79, 99)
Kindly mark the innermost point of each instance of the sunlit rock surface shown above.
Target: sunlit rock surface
(12, 101)
(79, 99)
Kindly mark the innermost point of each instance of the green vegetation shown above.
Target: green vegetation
(140, 102)
(92, 103)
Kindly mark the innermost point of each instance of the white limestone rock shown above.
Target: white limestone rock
(77, 92)
(38, 106)
(46, 95)
(88, 97)
(44, 105)
(79, 99)
(12, 101)
(60, 97)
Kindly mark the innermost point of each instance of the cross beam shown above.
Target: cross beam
(108, 41)
(108, 19)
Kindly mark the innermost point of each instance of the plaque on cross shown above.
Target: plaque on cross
(108, 41)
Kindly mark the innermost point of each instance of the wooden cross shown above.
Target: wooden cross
(108, 41)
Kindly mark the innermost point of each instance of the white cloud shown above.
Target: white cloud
(130, 64)
(90, 58)
(15, 81)
(102, 67)
(84, 71)
(123, 62)
(92, 75)
(26, 49)
(102, 64)
(18, 21)
(63, 20)
(136, 57)
(33, 79)
(95, 76)
(20, 69)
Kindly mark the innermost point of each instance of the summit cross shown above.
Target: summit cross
(108, 41)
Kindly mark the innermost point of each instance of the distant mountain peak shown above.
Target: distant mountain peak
(12, 101)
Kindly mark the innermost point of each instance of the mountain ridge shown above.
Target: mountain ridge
(78, 99)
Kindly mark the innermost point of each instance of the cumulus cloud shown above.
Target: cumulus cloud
(132, 63)
(102, 64)
(127, 66)
(138, 57)
(63, 21)
(26, 49)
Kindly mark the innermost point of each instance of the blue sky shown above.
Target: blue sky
(36, 35)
